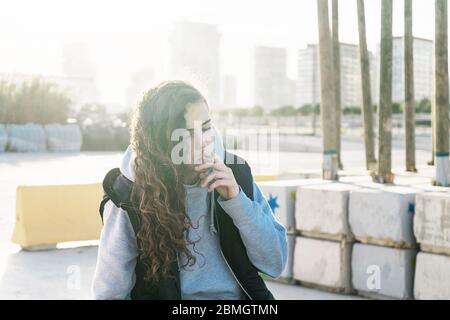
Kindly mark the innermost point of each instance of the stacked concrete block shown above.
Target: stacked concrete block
(323, 263)
(382, 219)
(382, 271)
(322, 211)
(63, 138)
(28, 137)
(432, 230)
(432, 222)
(383, 216)
(432, 278)
(323, 250)
(281, 195)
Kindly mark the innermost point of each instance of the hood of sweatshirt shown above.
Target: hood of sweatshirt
(127, 165)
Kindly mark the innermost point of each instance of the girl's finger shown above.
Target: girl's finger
(211, 176)
(219, 183)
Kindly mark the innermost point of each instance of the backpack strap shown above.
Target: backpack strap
(118, 188)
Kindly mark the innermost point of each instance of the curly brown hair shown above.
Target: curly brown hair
(158, 191)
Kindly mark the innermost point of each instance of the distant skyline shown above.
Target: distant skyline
(127, 36)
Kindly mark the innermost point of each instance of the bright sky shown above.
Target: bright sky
(125, 36)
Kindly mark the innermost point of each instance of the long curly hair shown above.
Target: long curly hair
(158, 191)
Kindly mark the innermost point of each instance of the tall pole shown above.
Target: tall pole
(384, 174)
(337, 78)
(442, 94)
(330, 163)
(367, 109)
(410, 142)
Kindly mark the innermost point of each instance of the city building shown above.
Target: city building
(140, 81)
(423, 69)
(194, 56)
(308, 81)
(272, 87)
(229, 89)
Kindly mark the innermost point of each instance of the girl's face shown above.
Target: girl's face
(198, 124)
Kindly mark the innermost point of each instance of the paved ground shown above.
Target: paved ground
(49, 274)
(53, 274)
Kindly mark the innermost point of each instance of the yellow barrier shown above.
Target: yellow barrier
(46, 215)
(260, 178)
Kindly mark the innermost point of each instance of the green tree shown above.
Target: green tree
(306, 109)
(397, 108)
(35, 101)
(6, 101)
(240, 112)
(284, 111)
(423, 106)
(352, 110)
(94, 111)
(257, 111)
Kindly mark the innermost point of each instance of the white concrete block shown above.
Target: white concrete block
(281, 196)
(383, 216)
(432, 278)
(432, 221)
(323, 263)
(322, 210)
(365, 181)
(428, 187)
(383, 271)
(288, 270)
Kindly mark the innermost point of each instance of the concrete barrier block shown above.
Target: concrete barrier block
(322, 210)
(281, 196)
(432, 221)
(432, 278)
(383, 216)
(403, 181)
(323, 263)
(383, 271)
(46, 215)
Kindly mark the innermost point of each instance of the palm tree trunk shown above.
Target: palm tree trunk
(367, 110)
(337, 78)
(433, 116)
(327, 112)
(410, 143)
(384, 174)
(442, 95)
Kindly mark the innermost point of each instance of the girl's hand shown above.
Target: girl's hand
(217, 175)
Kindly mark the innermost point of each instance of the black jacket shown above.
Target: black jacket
(118, 189)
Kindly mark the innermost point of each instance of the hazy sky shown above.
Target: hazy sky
(125, 36)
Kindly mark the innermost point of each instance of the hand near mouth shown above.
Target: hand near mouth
(221, 178)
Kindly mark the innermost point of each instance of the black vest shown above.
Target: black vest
(118, 189)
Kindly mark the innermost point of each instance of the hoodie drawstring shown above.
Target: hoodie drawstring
(212, 227)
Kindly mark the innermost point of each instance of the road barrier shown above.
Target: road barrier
(47, 215)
